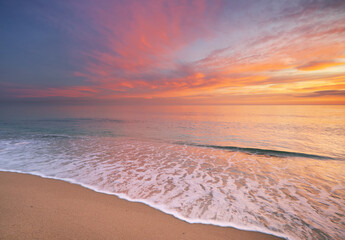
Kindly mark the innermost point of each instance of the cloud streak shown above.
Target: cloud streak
(319, 65)
(181, 50)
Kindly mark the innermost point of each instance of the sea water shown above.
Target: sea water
(273, 169)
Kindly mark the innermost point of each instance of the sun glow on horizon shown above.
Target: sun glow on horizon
(212, 52)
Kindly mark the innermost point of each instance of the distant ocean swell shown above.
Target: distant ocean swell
(259, 151)
(262, 191)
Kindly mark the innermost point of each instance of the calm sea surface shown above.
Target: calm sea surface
(274, 169)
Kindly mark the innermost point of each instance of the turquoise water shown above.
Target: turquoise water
(274, 169)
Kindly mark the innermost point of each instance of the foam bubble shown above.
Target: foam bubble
(282, 196)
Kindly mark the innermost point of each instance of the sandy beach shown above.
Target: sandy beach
(37, 208)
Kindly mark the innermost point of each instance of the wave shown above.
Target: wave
(188, 182)
(159, 207)
(260, 151)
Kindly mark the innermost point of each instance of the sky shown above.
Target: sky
(173, 51)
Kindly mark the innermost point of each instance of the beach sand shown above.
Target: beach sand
(32, 207)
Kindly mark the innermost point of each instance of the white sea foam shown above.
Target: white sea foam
(288, 197)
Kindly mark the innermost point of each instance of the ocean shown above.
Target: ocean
(277, 169)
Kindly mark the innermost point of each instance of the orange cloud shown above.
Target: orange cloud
(198, 50)
(140, 50)
(319, 65)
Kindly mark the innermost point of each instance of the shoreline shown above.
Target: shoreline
(46, 208)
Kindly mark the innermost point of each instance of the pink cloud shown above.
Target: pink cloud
(132, 47)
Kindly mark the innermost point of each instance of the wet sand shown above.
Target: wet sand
(32, 207)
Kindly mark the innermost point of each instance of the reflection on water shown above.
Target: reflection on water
(299, 197)
(316, 130)
(132, 152)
